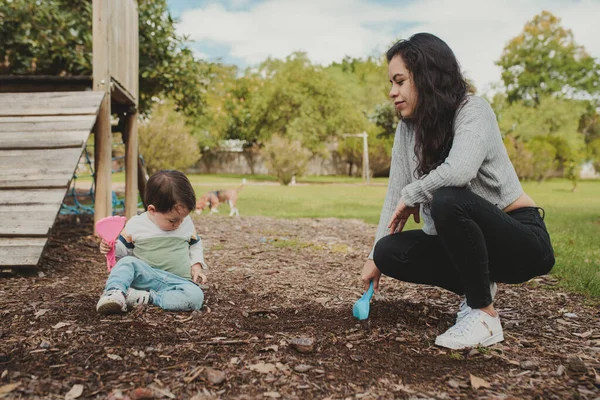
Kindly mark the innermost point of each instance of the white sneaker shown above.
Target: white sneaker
(477, 328)
(111, 302)
(136, 298)
(464, 309)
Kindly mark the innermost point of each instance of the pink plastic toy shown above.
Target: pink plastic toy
(108, 229)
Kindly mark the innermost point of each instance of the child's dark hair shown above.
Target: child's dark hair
(167, 189)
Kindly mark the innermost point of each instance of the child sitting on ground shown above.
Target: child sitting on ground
(161, 256)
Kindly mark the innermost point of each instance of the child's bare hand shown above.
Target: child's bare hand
(104, 247)
(197, 275)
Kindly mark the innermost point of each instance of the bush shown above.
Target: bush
(543, 158)
(520, 156)
(166, 141)
(285, 158)
(593, 153)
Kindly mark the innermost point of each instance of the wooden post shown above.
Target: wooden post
(102, 131)
(142, 179)
(366, 157)
(131, 165)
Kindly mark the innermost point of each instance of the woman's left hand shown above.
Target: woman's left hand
(400, 216)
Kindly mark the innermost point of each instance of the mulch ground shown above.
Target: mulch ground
(278, 324)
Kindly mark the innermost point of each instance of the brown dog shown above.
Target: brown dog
(212, 200)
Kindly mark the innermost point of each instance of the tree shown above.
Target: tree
(166, 141)
(545, 60)
(54, 37)
(555, 122)
(286, 158)
(302, 102)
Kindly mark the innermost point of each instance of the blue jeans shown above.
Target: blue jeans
(167, 291)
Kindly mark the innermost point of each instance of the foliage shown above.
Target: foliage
(520, 156)
(166, 142)
(545, 59)
(543, 158)
(286, 158)
(554, 121)
(51, 37)
(593, 153)
(386, 118)
(54, 37)
(350, 150)
(301, 102)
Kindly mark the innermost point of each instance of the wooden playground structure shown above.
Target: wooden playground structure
(45, 122)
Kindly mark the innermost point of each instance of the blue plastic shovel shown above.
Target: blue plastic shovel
(361, 307)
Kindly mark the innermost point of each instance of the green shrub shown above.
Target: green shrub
(543, 157)
(520, 156)
(285, 158)
(166, 142)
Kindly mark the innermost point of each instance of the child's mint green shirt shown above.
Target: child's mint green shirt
(172, 251)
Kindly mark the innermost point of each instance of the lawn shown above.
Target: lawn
(573, 219)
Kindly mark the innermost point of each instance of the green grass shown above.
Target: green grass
(573, 219)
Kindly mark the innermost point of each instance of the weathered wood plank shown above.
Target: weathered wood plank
(33, 196)
(15, 110)
(37, 168)
(46, 118)
(76, 125)
(44, 158)
(21, 251)
(28, 223)
(46, 97)
(46, 140)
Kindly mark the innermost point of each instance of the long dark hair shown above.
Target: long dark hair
(441, 90)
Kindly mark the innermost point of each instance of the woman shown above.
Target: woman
(449, 165)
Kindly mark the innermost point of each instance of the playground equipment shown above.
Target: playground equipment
(45, 122)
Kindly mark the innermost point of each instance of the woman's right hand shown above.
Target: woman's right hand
(370, 272)
(104, 247)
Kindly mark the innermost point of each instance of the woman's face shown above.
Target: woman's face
(403, 92)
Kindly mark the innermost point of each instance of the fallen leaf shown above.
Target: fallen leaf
(141, 394)
(61, 325)
(114, 357)
(477, 382)
(273, 395)
(75, 392)
(214, 376)
(41, 312)
(162, 392)
(302, 368)
(9, 388)
(530, 365)
(453, 384)
(585, 334)
(263, 368)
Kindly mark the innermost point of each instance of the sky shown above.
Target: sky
(246, 32)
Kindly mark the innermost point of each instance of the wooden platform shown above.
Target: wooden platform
(42, 136)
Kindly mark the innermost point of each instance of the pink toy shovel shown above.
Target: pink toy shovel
(108, 229)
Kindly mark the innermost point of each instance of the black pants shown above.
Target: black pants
(476, 243)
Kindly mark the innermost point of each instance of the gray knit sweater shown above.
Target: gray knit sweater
(477, 161)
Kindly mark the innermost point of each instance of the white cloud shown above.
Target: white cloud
(328, 30)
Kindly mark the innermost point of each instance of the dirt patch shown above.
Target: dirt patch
(272, 281)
